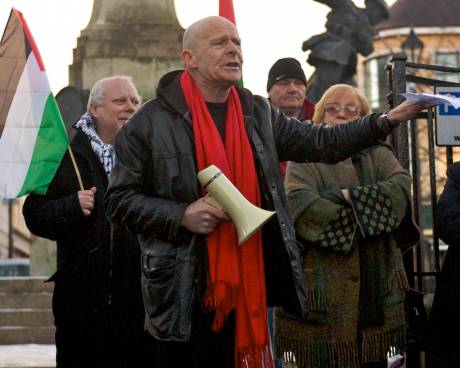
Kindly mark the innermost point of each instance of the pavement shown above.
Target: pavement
(28, 356)
(44, 356)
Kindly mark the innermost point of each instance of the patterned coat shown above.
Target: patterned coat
(353, 265)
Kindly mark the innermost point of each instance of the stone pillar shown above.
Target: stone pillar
(140, 38)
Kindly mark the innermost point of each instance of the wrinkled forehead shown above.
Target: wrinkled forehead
(219, 25)
(120, 87)
(344, 96)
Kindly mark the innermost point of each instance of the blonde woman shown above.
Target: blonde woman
(354, 219)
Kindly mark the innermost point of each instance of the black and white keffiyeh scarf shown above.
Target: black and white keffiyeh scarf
(104, 151)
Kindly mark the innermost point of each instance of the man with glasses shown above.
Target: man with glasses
(97, 301)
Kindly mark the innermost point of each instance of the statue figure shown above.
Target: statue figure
(349, 30)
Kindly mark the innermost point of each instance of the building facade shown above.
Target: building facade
(435, 23)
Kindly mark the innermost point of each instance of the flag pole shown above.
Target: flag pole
(77, 171)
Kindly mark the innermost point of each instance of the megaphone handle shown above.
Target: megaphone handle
(213, 202)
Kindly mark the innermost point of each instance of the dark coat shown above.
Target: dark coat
(445, 315)
(156, 178)
(97, 297)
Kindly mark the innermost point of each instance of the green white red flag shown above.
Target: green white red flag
(33, 138)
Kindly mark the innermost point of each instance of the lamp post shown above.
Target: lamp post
(414, 45)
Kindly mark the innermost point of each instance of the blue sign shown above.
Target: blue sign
(447, 119)
(447, 109)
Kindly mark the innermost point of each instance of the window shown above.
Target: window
(376, 84)
(447, 59)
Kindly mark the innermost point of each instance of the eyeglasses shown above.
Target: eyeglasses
(334, 109)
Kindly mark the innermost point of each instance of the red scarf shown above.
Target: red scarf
(237, 279)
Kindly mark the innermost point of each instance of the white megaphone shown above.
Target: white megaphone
(224, 195)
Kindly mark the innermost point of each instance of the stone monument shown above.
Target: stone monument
(140, 38)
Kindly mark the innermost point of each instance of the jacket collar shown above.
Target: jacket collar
(80, 139)
(169, 90)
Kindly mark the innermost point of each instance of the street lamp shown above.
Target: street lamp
(413, 44)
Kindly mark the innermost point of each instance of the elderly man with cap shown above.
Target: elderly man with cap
(286, 87)
(205, 296)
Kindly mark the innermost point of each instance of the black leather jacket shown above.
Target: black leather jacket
(156, 178)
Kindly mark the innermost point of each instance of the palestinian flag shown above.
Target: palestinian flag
(33, 138)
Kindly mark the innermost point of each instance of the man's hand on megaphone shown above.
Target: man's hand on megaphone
(202, 218)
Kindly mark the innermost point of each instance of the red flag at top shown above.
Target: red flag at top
(226, 10)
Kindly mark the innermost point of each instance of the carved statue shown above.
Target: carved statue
(349, 30)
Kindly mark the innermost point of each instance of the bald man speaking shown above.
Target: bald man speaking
(205, 296)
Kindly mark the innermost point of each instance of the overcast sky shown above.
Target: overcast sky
(270, 29)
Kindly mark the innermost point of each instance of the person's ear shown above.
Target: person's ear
(189, 58)
(93, 111)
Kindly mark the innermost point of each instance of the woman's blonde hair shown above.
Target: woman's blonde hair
(333, 91)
